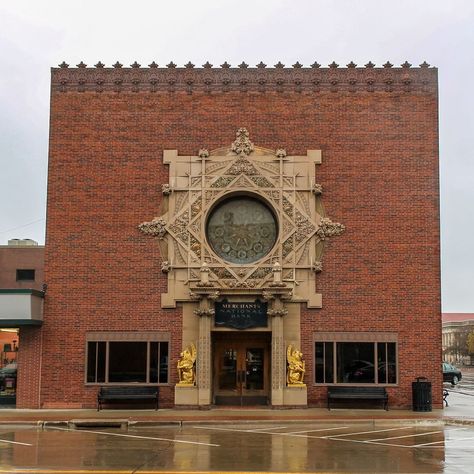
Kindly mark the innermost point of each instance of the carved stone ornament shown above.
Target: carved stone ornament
(295, 367)
(157, 227)
(242, 143)
(166, 189)
(267, 248)
(187, 366)
(204, 312)
(328, 228)
(166, 266)
(277, 312)
(242, 166)
(317, 267)
(317, 189)
(203, 153)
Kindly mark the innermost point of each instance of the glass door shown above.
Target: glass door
(241, 373)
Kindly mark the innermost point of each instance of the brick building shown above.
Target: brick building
(21, 300)
(456, 330)
(239, 222)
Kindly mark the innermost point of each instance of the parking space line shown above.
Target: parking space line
(367, 432)
(272, 427)
(14, 442)
(133, 436)
(407, 436)
(320, 429)
(428, 444)
(380, 444)
(293, 435)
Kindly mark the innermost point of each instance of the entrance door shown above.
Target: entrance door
(241, 372)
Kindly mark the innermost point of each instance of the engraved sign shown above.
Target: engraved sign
(241, 315)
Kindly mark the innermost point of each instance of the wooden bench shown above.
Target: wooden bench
(358, 393)
(127, 393)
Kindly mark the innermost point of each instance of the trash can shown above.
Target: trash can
(421, 394)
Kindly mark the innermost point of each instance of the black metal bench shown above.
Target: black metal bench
(358, 393)
(107, 394)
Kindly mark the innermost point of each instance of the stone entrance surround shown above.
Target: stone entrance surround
(284, 276)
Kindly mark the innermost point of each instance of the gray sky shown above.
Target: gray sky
(38, 34)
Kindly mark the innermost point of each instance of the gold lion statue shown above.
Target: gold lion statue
(186, 366)
(296, 366)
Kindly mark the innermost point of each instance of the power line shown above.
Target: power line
(21, 226)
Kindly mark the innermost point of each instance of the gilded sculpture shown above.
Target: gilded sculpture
(186, 366)
(295, 367)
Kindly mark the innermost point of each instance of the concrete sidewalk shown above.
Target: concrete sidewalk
(460, 410)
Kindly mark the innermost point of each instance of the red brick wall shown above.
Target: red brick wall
(380, 179)
(22, 258)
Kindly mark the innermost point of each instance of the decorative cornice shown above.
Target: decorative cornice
(243, 78)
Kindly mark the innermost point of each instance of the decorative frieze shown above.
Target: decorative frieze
(244, 78)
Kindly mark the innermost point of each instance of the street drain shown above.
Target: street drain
(87, 424)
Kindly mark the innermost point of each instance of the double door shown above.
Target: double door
(241, 372)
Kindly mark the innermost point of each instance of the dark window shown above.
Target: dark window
(355, 362)
(25, 275)
(127, 362)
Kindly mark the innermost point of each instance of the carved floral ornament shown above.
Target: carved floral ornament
(196, 243)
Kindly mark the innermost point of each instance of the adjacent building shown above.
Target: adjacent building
(21, 306)
(457, 327)
(268, 231)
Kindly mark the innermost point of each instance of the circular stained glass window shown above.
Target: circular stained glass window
(241, 229)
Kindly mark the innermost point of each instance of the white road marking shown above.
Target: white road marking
(419, 434)
(254, 431)
(407, 436)
(133, 436)
(379, 444)
(14, 442)
(321, 429)
(367, 432)
(272, 428)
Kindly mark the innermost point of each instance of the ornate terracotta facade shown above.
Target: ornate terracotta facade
(302, 202)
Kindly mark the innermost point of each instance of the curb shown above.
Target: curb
(127, 424)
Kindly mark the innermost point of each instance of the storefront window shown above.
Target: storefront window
(127, 362)
(355, 362)
(8, 365)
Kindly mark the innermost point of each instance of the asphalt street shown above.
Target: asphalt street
(260, 447)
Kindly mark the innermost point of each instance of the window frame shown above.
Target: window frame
(18, 270)
(355, 337)
(116, 336)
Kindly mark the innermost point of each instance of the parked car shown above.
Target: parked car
(8, 376)
(451, 374)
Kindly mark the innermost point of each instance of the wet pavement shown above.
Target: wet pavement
(235, 440)
(427, 447)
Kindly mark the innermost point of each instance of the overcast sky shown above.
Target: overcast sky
(38, 34)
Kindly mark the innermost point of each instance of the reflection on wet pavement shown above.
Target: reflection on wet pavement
(261, 447)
